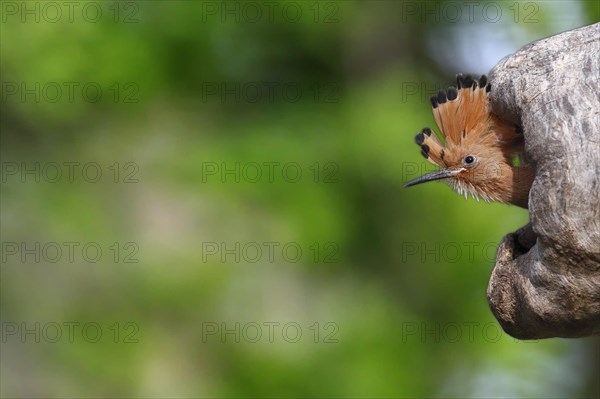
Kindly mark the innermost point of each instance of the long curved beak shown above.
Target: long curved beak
(437, 175)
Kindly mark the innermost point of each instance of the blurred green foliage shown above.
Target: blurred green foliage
(400, 274)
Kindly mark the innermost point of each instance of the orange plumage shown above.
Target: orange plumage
(478, 151)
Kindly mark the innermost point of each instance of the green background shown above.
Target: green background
(387, 297)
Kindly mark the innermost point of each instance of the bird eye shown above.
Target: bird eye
(469, 159)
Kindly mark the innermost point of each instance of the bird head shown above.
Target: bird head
(476, 149)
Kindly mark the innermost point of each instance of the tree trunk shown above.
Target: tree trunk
(546, 281)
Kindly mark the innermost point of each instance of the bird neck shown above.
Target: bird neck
(519, 184)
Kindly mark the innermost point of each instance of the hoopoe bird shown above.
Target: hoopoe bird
(480, 155)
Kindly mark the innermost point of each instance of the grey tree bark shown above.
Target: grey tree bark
(546, 281)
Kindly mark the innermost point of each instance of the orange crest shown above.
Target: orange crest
(476, 149)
